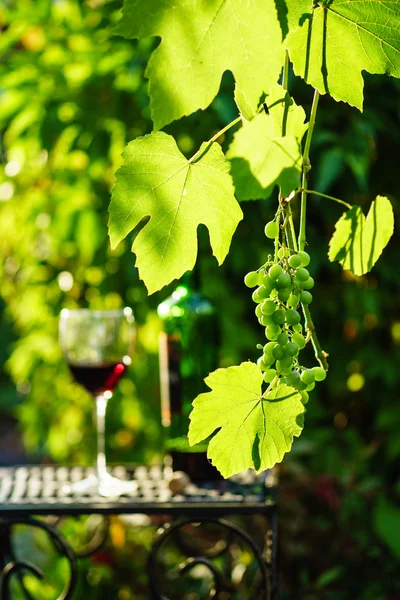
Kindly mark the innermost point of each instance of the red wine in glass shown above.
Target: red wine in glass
(97, 345)
(98, 378)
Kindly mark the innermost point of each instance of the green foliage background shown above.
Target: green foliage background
(71, 97)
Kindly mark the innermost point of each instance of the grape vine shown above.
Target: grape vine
(283, 285)
(256, 408)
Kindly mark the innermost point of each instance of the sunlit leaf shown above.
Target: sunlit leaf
(262, 155)
(254, 432)
(330, 45)
(157, 181)
(199, 42)
(358, 242)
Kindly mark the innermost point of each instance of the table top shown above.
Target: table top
(38, 490)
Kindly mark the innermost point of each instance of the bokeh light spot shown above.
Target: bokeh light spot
(12, 168)
(340, 420)
(65, 281)
(6, 191)
(396, 332)
(355, 382)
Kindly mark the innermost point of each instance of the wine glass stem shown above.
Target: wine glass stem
(101, 405)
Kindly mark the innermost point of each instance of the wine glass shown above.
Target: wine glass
(97, 345)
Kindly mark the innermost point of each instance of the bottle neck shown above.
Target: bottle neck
(192, 279)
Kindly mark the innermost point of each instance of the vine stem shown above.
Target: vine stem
(288, 208)
(320, 355)
(285, 76)
(306, 168)
(215, 137)
(326, 196)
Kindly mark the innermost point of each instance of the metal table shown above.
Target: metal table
(28, 493)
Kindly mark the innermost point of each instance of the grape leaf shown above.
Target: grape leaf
(338, 39)
(358, 242)
(260, 157)
(157, 181)
(199, 42)
(253, 431)
(286, 116)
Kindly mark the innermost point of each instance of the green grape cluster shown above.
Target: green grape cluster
(281, 287)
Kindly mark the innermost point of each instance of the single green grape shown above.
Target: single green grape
(261, 364)
(283, 281)
(301, 386)
(304, 257)
(278, 316)
(259, 313)
(268, 307)
(268, 360)
(296, 381)
(272, 331)
(282, 338)
(308, 376)
(304, 396)
(302, 274)
(308, 284)
(283, 252)
(284, 294)
(319, 373)
(263, 292)
(286, 361)
(268, 283)
(256, 297)
(305, 297)
(286, 370)
(266, 320)
(278, 352)
(282, 369)
(291, 349)
(295, 261)
(299, 340)
(269, 375)
(275, 271)
(271, 230)
(294, 378)
(311, 387)
(268, 348)
(292, 316)
(251, 279)
(293, 301)
(298, 327)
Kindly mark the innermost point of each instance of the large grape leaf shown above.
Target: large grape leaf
(199, 41)
(334, 42)
(157, 181)
(358, 242)
(266, 150)
(286, 117)
(254, 432)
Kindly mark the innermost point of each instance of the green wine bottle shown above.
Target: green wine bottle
(189, 347)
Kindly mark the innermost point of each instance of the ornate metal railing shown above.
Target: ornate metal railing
(203, 528)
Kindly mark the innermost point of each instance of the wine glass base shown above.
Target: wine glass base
(106, 486)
